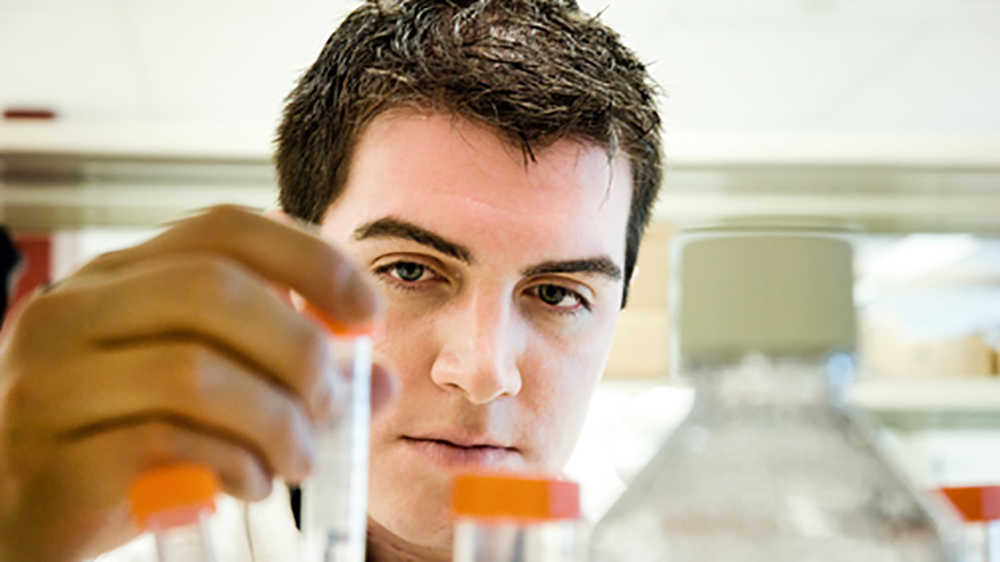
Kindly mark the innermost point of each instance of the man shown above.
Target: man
(486, 167)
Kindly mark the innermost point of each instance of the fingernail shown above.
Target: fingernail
(361, 298)
(331, 395)
(307, 460)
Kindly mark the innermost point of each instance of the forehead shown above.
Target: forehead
(461, 179)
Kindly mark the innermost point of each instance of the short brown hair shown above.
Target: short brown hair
(535, 70)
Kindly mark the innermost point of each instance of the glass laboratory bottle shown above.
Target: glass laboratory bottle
(513, 518)
(174, 503)
(334, 498)
(769, 466)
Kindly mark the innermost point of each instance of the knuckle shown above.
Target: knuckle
(102, 263)
(46, 311)
(38, 312)
(215, 280)
(184, 368)
(106, 260)
(225, 218)
(46, 306)
(22, 398)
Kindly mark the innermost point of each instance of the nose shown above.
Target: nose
(481, 339)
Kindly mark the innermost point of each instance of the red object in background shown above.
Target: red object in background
(36, 265)
(34, 113)
(976, 503)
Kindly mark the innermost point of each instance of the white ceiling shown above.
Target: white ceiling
(871, 67)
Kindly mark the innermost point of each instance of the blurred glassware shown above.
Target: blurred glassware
(770, 466)
(335, 496)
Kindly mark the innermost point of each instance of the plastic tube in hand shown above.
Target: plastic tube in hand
(174, 503)
(334, 498)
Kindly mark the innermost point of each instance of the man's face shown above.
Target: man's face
(502, 284)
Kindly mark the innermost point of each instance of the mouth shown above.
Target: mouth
(463, 453)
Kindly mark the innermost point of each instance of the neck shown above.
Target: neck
(384, 546)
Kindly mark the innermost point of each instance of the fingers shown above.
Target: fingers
(191, 387)
(211, 300)
(102, 466)
(278, 252)
(75, 508)
(179, 349)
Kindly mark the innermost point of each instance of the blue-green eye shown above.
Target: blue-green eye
(408, 271)
(409, 275)
(559, 297)
(552, 294)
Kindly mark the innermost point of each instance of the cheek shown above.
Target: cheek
(406, 344)
(563, 376)
(405, 339)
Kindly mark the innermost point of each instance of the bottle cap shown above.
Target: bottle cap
(976, 503)
(770, 290)
(173, 495)
(508, 496)
(337, 327)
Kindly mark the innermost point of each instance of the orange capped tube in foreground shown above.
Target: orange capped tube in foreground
(174, 503)
(517, 518)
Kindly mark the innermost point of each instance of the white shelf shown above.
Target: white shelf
(130, 139)
(947, 403)
(876, 198)
(954, 402)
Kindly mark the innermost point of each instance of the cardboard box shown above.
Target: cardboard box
(641, 344)
(889, 351)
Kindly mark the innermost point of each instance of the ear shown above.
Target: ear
(284, 293)
(635, 273)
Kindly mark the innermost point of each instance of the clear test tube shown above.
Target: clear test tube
(980, 509)
(514, 518)
(174, 503)
(335, 497)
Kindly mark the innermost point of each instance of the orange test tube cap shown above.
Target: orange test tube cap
(976, 503)
(173, 495)
(335, 326)
(507, 496)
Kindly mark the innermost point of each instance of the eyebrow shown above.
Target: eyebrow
(392, 227)
(600, 265)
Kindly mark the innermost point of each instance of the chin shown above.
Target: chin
(410, 484)
(438, 535)
(387, 543)
(411, 534)
(413, 505)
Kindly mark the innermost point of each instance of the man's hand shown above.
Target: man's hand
(182, 348)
